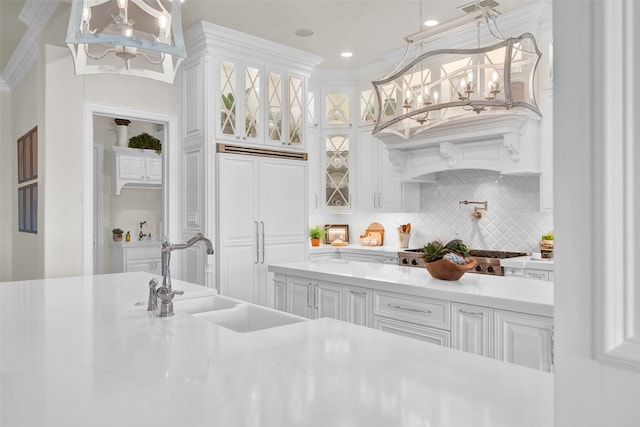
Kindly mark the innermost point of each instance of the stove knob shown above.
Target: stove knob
(414, 262)
(490, 269)
(405, 261)
(478, 267)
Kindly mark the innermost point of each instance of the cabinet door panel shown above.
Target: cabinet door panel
(524, 339)
(283, 185)
(299, 293)
(471, 329)
(154, 170)
(359, 307)
(132, 168)
(328, 300)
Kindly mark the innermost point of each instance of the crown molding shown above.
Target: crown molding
(35, 14)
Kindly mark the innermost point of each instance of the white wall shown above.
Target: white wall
(7, 172)
(26, 248)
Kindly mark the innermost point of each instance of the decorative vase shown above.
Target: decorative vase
(444, 269)
(315, 242)
(122, 125)
(117, 237)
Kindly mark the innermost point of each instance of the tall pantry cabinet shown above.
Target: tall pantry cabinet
(244, 169)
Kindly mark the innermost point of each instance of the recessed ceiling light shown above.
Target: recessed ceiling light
(304, 32)
(346, 54)
(431, 22)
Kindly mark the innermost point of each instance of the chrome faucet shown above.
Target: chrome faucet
(165, 293)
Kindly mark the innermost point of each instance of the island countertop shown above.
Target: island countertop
(80, 352)
(502, 292)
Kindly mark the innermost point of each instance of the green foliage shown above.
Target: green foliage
(145, 142)
(458, 247)
(117, 231)
(435, 250)
(228, 101)
(316, 232)
(548, 236)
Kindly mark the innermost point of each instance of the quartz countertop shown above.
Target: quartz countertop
(502, 292)
(354, 248)
(79, 352)
(528, 262)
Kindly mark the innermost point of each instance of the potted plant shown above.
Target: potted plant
(448, 262)
(145, 141)
(117, 234)
(316, 233)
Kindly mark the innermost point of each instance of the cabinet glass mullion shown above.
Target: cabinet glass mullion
(251, 102)
(228, 89)
(337, 170)
(274, 108)
(296, 110)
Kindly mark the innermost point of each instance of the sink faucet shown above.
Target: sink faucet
(165, 293)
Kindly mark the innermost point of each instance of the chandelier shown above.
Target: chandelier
(447, 85)
(132, 37)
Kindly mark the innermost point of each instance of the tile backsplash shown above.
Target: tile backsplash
(512, 222)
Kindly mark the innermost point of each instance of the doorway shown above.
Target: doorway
(162, 221)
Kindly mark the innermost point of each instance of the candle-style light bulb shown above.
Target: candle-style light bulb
(86, 13)
(470, 76)
(463, 83)
(122, 4)
(495, 76)
(435, 96)
(162, 22)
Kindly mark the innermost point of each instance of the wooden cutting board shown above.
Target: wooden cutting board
(375, 230)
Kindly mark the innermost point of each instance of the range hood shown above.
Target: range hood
(506, 142)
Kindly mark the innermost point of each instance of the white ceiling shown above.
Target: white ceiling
(367, 28)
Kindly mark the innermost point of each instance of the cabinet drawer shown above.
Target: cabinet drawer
(513, 271)
(409, 330)
(420, 310)
(148, 252)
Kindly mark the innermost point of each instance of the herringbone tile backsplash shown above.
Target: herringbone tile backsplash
(513, 221)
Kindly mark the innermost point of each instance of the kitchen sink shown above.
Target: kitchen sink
(245, 317)
(204, 304)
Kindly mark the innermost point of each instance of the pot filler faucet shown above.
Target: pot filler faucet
(165, 293)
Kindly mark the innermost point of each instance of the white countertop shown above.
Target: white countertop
(528, 262)
(78, 352)
(354, 248)
(145, 243)
(503, 292)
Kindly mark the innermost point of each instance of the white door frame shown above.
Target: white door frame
(170, 162)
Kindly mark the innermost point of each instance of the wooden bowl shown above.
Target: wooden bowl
(444, 269)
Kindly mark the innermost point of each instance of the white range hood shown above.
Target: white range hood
(506, 142)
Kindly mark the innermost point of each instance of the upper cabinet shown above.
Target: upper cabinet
(135, 168)
(258, 104)
(337, 109)
(254, 89)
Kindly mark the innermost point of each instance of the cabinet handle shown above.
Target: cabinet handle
(315, 296)
(374, 200)
(309, 295)
(316, 195)
(263, 250)
(358, 293)
(471, 313)
(409, 308)
(257, 243)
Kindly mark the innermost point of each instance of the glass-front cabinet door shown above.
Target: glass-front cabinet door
(336, 169)
(337, 109)
(239, 101)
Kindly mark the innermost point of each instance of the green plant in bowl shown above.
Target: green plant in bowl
(145, 141)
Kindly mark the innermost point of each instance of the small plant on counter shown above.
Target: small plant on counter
(117, 234)
(316, 232)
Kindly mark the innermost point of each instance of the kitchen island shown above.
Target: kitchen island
(80, 352)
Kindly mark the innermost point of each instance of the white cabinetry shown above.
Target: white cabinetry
(425, 319)
(378, 187)
(262, 208)
(128, 257)
(529, 273)
(524, 339)
(472, 329)
(314, 299)
(135, 168)
(358, 305)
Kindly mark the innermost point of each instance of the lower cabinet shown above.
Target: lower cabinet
(471, 329)
(519, 338)
(127, 259)
(524, 339)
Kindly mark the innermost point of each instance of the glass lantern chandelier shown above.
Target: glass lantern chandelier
(446, 85)
(133, 37)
